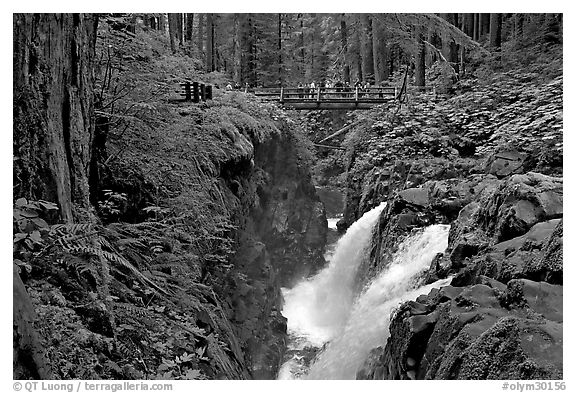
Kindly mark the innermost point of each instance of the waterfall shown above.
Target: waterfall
(324, 313)
(317, 308)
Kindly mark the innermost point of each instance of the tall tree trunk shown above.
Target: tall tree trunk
(209, 42)
(173, 31)
(380, 53)
(432, 55)
(359, 74)
(162, 23)
(476, 27)
(29, 358)
(468, 24)
(344, 48)
(302, 48)
(496, 30)
(367, 48)
(180, 29)
(200, 38)
(484, 24)
(53, 107)
(280, 71)
(189, 26)
(420, 60)
(518, 26)
(237, 49)
(449, 47)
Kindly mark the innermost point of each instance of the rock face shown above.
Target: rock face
(501, 317)
(484, 331)
(282, 239)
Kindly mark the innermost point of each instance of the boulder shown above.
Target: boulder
(478, 332)
(415, 196)
(505, 163)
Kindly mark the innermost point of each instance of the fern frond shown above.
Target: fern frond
(118, 259)
(71, 240)
(70, 229)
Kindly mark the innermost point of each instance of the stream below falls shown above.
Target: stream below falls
(331, 328)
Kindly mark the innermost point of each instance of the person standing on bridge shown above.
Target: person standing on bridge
(347, 88)
(312, 89)
(338, 85)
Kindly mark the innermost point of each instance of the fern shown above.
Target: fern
(115, 258)
(82, 266)
(70, 229)
(132, 309)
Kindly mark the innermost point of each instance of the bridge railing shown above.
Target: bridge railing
(287, 94)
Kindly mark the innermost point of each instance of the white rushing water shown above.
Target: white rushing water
(318, 307)
(332, 222)
(324, 311)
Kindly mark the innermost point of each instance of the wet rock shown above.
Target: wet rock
(478, 332)
(505, 163)
(521, 202)
(549, 267)
(415, 196)
(534, 255)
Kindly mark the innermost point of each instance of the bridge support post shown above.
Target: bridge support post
(281, 94)
(195, 92)
(187, 91)
(318, 95)
(356, 95)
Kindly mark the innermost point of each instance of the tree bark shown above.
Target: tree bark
(367, 48)
(449, 47)
(30, 360)
(344, 48)
(209, 42)
(496, 30)
(162, 23)
(484, 24)
(173, 31)
(200, 38)
(420, 60)
(518, 26)
(53, 108)
(189, 26)
(476, 27)
(359, 74)
(237, 50)
(468, 25)
(180, 29)
(380, 53)
(280, 71)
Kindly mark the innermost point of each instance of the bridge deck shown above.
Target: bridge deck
(335, 97)
(329, 98)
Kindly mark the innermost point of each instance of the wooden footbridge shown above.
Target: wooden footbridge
(329, 98)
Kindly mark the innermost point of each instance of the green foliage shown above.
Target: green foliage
(30, 229)
(180, 367)
(112, 204)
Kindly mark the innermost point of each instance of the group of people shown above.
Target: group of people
(346, 88)
(236, 86)
(311, 90)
